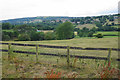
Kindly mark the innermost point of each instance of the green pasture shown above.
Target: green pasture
(108, 33)
(78, 42)
(115, 26)
(111, 42)
(85, 68)
(90, 26)
(8, 30)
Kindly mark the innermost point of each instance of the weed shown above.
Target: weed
(106, 71)
(52, 74)
(74, 62)
(73, 75)
(18, 64)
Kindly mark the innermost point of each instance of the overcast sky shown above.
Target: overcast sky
(10, 9)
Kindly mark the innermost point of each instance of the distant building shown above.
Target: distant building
(57, 20)
(78, 22)
(39, 30)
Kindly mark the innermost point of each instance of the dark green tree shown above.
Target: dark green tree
(111, 18)
(6, 26)
(24, 29)
(50, 36)
(99, 35)
(5, 37)
(98, 24)
(24, 37)
(65, 31)
(36, 36)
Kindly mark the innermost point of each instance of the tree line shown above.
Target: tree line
(28, 32)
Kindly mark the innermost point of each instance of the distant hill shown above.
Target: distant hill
(80, 22)
(36, 19)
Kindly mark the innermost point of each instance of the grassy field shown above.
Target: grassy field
(108, 33)
(30, 69)
(83, 67)
(45, 31)
(8, 30)
(115, 26)
(90, 26)
(78, 42)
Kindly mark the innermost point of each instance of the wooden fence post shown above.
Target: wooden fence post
(68, 55)
(37, 53)
(109, 54)
(58, 59)
(9, 50)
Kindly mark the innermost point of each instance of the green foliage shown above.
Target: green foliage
(94, 29)
(6, 26)
(46, 25)
(102, 20)
(24, 29)
(99, 35)
(85, 32)
(65, 31)
(111, 18)
(36, 36)
(50, 36)
(17, 26)
(5, 37)
(108, 33)
(24, 37)
(107, 28)
(82, 34)
(98, 24)
(11, 34)
(90, 34)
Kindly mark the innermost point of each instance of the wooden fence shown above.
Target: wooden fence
(61, 47)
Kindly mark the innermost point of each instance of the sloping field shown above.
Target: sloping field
(90, 26)
(108, 33)
(78, 42)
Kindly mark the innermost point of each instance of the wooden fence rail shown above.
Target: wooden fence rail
(50, 54)
(62, 47)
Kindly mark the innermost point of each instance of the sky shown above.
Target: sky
(10, 9)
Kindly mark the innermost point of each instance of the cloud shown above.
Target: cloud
(31, 8)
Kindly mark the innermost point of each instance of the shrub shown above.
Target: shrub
(50, 36)
(90, 34)
(24, 37)
(99, 36)
(5, 37)
(11, 34)
(65, 31)
(35, 36)
(82, 34)
(6, 26)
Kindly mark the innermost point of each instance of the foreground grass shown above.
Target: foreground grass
(85, 68)
(30, 69)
